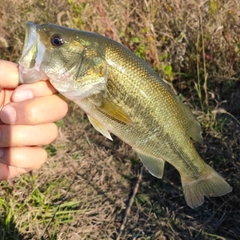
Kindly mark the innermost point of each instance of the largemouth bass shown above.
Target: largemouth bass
(121, 94)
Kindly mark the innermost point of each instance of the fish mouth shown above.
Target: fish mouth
(33, 67)
(31, 58)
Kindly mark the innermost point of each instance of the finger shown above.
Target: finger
(8, 172)
(5, 96)
(23, 157)
(34, 111)
(27, 135)
(29, 91)
(9, 77)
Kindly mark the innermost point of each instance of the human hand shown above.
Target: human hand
(27, 117)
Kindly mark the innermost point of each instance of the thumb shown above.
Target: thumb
(8, 74)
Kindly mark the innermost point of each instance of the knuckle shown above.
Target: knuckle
(31, 115)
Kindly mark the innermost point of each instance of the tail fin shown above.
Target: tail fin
(211, 186)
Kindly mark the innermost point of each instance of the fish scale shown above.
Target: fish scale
(122, 95)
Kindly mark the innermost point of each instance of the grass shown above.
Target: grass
(91, 188)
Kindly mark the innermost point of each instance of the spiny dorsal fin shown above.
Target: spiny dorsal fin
(114, 111)
(154, 165)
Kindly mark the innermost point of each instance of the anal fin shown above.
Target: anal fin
(99, 127)
(154, 165)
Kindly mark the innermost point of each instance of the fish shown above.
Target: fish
(122, 95)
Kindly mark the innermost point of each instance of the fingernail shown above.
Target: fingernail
(22, 95)
(8, 114)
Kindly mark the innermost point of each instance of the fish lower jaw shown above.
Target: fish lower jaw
(30, 75)
(74, 93)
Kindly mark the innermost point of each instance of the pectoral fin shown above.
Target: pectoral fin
(154, 165)
(99, 127)
(114, 111)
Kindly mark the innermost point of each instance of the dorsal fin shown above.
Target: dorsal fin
(194, 129)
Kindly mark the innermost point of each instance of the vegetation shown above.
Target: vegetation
(92, 188)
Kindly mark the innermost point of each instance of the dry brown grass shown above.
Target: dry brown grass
(84, 189)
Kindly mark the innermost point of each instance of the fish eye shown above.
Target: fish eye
(56, 40)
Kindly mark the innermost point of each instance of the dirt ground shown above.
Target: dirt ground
(94, 188)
